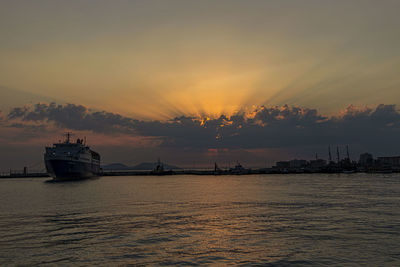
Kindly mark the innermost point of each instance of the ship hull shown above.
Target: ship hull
(71, 170)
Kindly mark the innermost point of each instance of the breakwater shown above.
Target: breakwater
(195, 172)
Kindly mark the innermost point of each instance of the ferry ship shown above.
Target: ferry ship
(71, 161)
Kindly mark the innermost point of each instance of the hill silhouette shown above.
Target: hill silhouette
(141, 166)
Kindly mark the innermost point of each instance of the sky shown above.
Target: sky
(195, 82)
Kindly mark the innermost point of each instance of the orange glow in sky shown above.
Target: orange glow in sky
(159, 60)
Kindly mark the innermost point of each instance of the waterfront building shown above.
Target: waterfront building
(283, 164)
(298, 163)
(317, 164)
(389, 161)
(366, 159)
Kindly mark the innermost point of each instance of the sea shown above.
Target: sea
(184, 220)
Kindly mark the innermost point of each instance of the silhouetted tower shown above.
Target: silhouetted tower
(337, 154)
(348, 155)
(316, 156)
(68, 135)
(329, 152)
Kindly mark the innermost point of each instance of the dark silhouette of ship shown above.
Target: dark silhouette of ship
(159, 169)
(71, 161)
(239, 169)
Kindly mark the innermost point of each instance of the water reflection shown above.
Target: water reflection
(332, 220)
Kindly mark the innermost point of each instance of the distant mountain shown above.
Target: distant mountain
(115, 166)
(145, 166)
(152, 166)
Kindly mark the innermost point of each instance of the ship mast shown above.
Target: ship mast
(337, 153)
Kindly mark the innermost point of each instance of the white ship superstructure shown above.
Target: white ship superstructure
(68, 161)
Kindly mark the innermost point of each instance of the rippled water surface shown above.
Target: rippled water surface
(202, 220)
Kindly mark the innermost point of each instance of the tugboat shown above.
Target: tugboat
(239, 170)
(159, 169)
(71, 161)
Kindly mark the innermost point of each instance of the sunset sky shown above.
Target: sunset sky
(137, 66)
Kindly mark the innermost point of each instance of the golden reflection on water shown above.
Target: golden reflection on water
(203, 220)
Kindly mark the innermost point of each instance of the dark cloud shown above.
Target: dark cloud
(36, 128)
(18, 112)
(75, 117)
(265, 127)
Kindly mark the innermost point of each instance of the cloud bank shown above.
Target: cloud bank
(264, 127)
